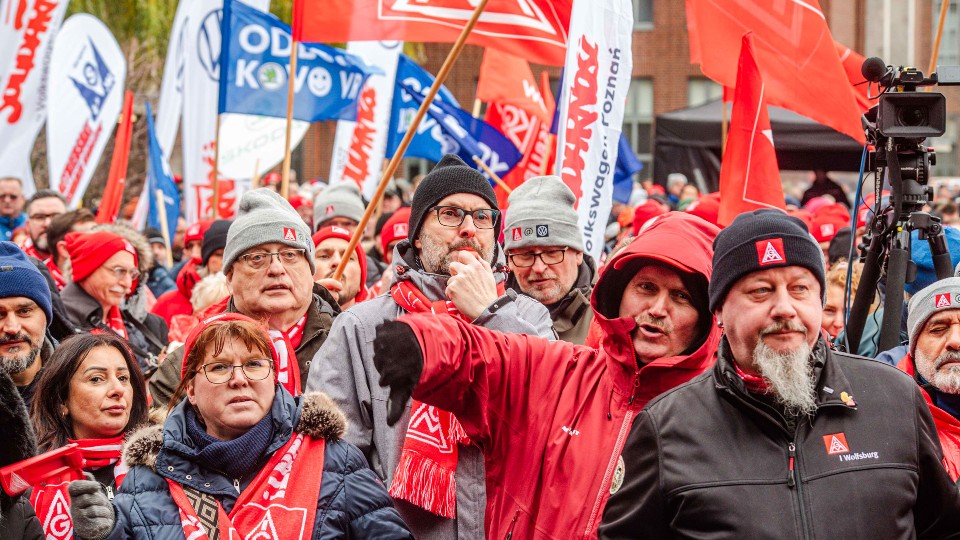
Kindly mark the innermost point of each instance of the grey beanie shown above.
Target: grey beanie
(265, 217)
(338, 200)
(541, 214)
(940, 296)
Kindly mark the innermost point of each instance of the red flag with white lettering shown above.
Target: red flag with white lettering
(507, 79)
(533, 29)
(749, 176)
(793, 49)
(852, 62)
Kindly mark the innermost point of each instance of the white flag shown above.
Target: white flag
(27, 29)
(87, 75)
(593, 94)
(170, 106)
(359, 147)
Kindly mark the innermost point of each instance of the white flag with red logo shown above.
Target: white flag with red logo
(27, 28)
(749, 176)
(359, 147)
(201, 76)
(87, 75)
(593, 94)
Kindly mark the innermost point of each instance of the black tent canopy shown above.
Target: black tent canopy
(688, 141)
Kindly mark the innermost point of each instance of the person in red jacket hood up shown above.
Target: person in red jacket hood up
(552, 417)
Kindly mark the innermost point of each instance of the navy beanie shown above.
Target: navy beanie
(19, 277)
(450, 176)
(760, 240)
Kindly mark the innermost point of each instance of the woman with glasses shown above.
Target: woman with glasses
(222, 463)
(104, 296)
(90, 393)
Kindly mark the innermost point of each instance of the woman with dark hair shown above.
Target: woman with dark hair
(91, 392)
(220, 466)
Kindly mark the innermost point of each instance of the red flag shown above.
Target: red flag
(507, 79)
(793, 47)
(852, 62)
(749, 176)
(113, 192)
(533, 29)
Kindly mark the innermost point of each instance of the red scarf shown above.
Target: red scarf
(753, 383)
(286, 343)
(51, 500)
(270, 507)
(426, 472)
(115, 321)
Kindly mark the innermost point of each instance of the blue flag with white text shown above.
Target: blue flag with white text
(159, 178)
(255, 59)
(428, 142)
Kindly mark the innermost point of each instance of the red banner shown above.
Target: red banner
(533, 29)
(794, 50)
(749, 176)
(113, 192)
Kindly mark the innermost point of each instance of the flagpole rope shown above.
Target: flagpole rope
(411, 131)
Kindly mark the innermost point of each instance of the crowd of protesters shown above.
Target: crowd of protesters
(474, 372)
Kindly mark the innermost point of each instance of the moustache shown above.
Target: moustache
(659, 323)
(949, 356)
(11, 338)
(783, 326)
(469, 243)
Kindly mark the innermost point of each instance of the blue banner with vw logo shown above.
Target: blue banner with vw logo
(255, 59)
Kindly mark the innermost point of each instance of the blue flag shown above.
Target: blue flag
(255, 62)
(428, 142)
(627, 166)
(466, 136)
(158, 177)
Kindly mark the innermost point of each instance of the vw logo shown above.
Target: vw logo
(208, 43)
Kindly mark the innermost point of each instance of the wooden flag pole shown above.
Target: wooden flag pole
(944, 5)
(411, 131)
(724, 124)
(215, 209)
(255, 179)
(291, 83)
(477, 104)
(164, 227)
(503, 185)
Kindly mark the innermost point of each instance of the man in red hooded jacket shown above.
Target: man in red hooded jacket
(552, 417)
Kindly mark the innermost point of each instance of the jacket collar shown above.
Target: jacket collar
(567, 313)
(321, 303)
(407, 267)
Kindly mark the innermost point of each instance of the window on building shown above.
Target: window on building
(702, 90)
(643, 14)
(638, 120)
(950, 41)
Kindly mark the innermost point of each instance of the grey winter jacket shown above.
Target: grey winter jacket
(343, 369)
(352, 502)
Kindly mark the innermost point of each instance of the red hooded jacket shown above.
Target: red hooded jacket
(948, 427)
(177, 301)
(552, 417)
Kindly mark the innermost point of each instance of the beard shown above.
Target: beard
(789, 373)
(17, 364)
(947, 381)
(547, 293)
(40, 242)
(436, 256)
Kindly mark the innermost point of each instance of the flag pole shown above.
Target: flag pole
(477, 104)
(255, 179)
(503, 185)
(724, 124)
(944, 5)
(164, 227)
(411, 131)
(216, 172)
(291, 82)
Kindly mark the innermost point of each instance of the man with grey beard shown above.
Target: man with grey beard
(784, 438)
(933, 359)
(450, 263)
(25, 314)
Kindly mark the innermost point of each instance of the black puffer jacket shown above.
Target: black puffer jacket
(708, 460)
(18, 521)
(353, 503)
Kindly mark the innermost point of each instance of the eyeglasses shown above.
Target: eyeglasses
(42, 217)
(526, 260)
(10, 196)
(452, 216)
(221, 372)
(262, 259)
(119, 271)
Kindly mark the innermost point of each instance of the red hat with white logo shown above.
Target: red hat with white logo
(828, 220)
(759, 240)
(334, 231)
(395, 228)
(195, 232)
(940, 296)
(88, 251)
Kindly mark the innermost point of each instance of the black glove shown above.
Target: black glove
(397, 356)
(91, 510)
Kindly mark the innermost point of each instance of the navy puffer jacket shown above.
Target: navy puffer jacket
(353, 502)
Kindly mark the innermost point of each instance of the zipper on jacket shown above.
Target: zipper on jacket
(636, 384)
(109, 491)
(512, 525)
(236, 484)
(791, 481)
(611, 466)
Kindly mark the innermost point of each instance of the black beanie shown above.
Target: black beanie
(760, 240)
(215, 238)
(450, 176)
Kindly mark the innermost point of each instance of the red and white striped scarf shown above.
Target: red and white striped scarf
(51, 500)
(272, 507)
(286, 343)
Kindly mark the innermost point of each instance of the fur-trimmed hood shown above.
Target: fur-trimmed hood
(319, 418)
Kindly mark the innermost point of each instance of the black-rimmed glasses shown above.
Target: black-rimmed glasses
(453, 216)
(526, 260)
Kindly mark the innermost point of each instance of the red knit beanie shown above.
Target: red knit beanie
(333, 231)
(828, 220)
(645, 212)
(195, 333)
(396, 228)
(88, 251)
